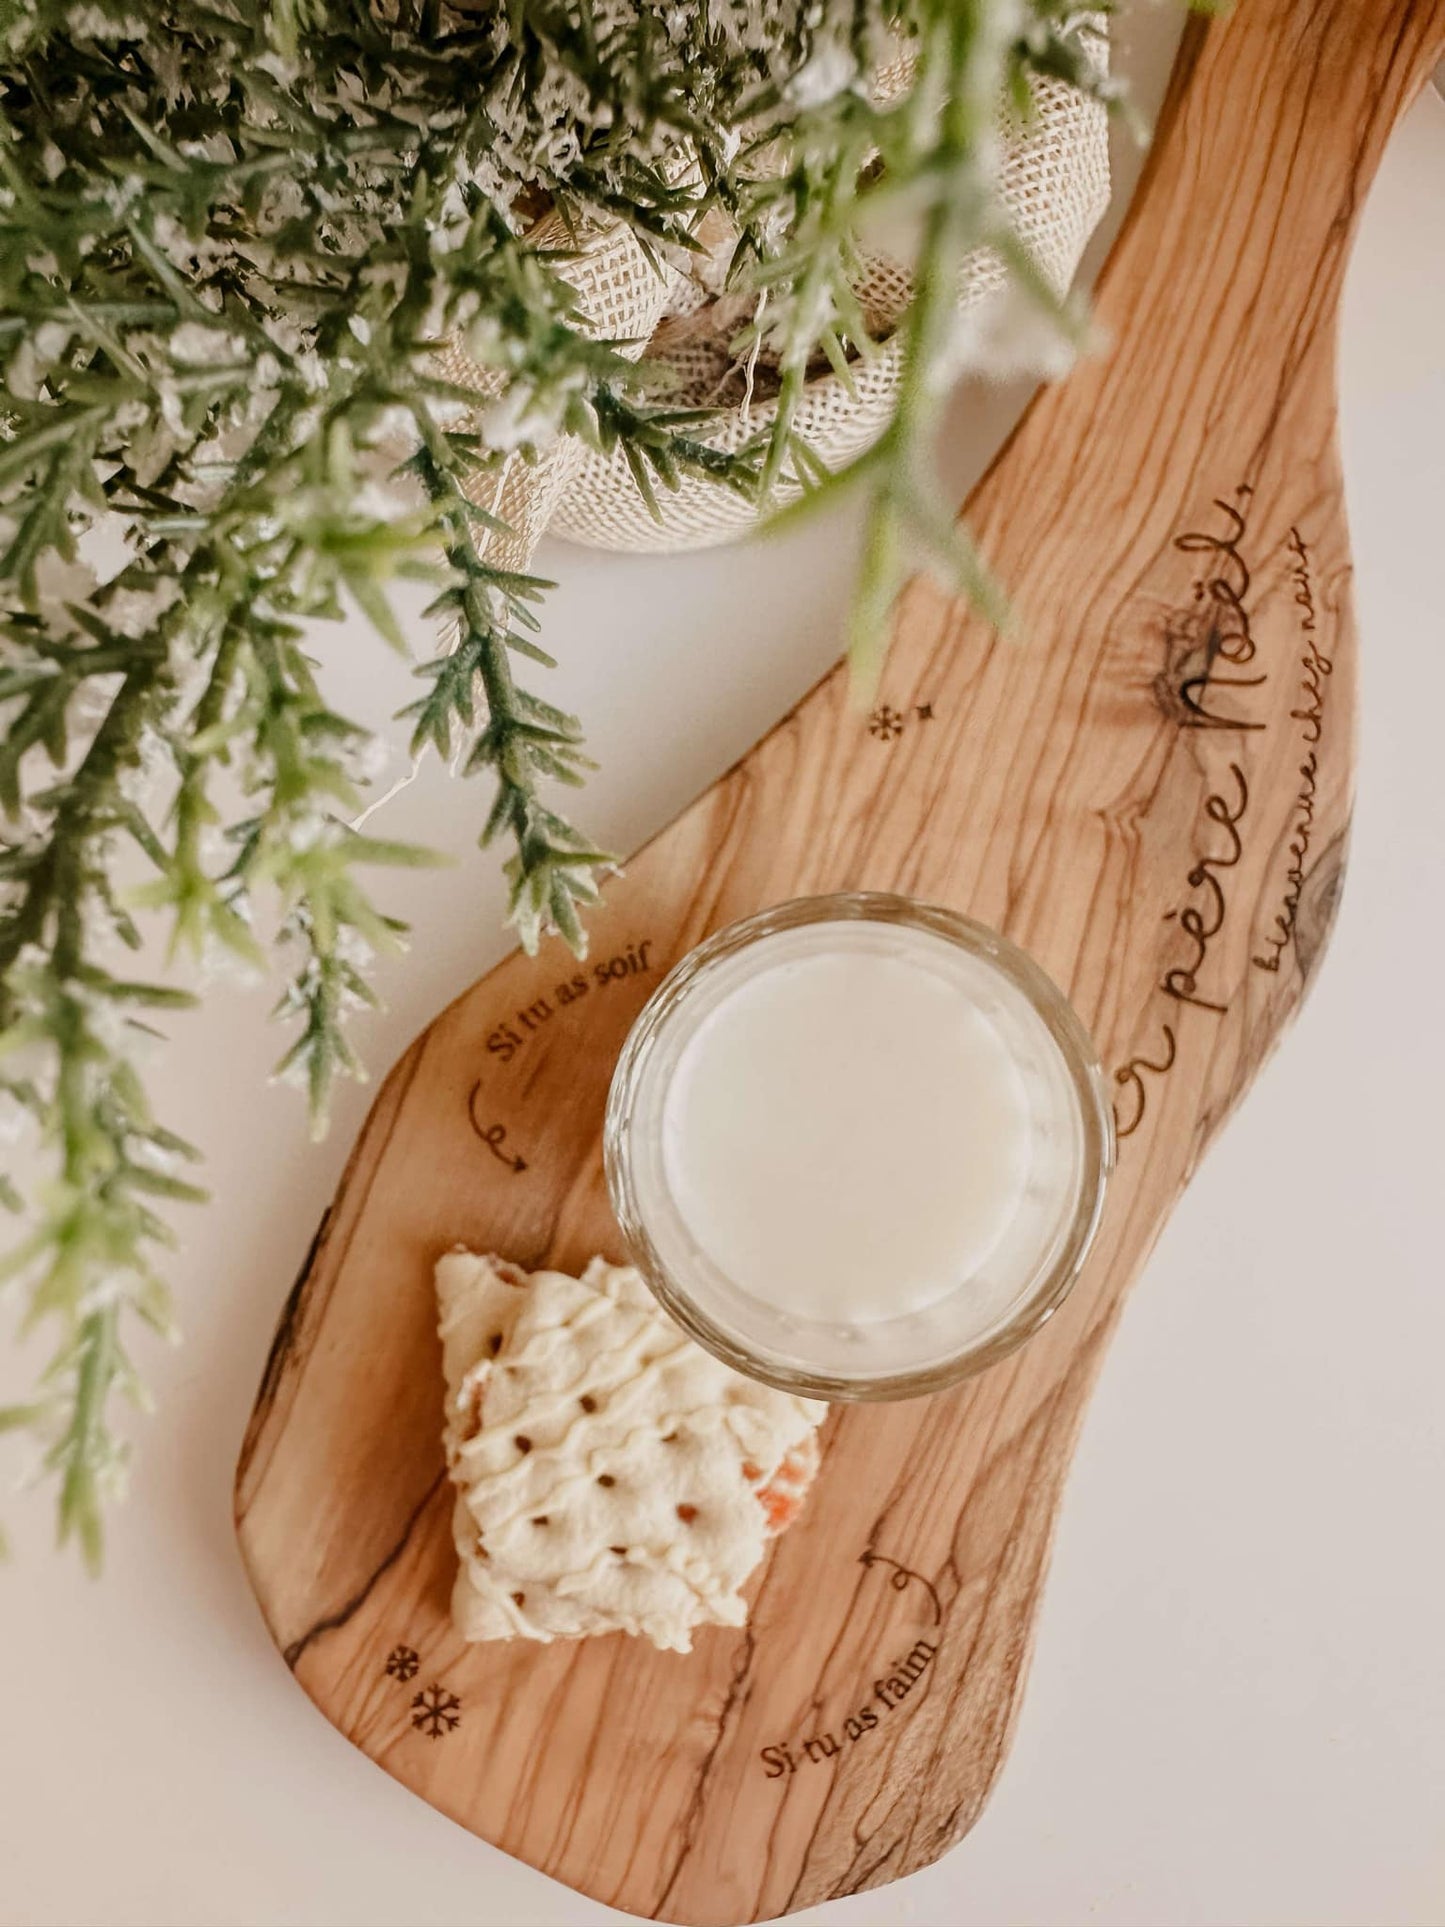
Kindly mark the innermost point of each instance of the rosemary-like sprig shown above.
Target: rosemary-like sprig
(232, 241)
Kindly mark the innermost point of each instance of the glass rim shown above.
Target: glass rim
(1067, 1032)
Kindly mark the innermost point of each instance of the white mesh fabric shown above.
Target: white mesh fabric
(1055, 187)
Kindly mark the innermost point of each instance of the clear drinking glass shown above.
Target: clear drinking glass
(1037, 1257)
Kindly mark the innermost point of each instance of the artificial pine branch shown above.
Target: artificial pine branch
(233, 239)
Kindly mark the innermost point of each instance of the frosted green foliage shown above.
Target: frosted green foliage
(231, 238)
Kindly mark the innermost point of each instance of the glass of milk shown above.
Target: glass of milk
(858, 1145)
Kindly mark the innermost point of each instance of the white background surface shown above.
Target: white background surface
(1237, 1707)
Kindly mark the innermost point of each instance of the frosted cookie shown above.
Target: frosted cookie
(611, 1475)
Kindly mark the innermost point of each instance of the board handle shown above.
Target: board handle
(1271, 220)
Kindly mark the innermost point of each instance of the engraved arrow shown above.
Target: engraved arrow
(900, 1577)
(494, 1136)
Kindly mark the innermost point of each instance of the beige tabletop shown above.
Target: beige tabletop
(1237, 1707)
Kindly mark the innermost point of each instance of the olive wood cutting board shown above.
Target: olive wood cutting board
(1149, 789)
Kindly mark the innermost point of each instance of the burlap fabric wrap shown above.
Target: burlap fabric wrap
(1055, 187)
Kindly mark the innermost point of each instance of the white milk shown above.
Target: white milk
(857, 1148)
(847, 1134)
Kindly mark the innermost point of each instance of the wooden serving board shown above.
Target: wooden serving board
(1149, 791)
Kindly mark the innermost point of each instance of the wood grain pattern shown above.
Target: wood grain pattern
(1150, 791)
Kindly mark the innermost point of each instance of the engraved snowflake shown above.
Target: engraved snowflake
(402, 1662)
(436, 1711)
(886, 723)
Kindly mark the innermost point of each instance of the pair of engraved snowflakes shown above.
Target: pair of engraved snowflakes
(435, 1710)
(888, 723)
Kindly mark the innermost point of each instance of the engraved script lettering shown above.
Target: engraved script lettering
(1314, 668)
(1201, 921)
(890, 1690)
(1130, 1076)
(1213, 629)
(1205, 643)
(507, 1039)
(888, 1695)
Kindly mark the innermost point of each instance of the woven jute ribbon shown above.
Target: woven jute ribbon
(1054, 188)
